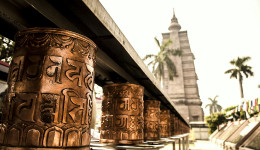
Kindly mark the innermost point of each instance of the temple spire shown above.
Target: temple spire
(174, 23)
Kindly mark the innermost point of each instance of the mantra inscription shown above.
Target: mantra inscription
(152, 120)
(165, 123)
(172, 124)
(122, 120)
(50, 87)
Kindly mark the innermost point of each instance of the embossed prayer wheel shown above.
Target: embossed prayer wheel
(50, 86)
(122, 120)
(165, 123)
(175, 125)
(172, 124)
(152, 119)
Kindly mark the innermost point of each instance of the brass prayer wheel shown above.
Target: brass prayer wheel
(176, 125)
(122, 120)
(50, 86)
(152, 119)
(172, 124)
(165, 123)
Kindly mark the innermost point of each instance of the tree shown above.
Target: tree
(240, 69)
(163, 58)
(214, 120)
(214, 106)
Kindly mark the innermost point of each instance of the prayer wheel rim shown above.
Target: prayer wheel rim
(123, 84)
(57, 31)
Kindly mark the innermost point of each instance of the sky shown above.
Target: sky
(218, 31)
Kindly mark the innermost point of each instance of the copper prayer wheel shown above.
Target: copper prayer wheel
(122, 120)
(175, 125)
(165, 123)
(50, 86)
(172, 124)
(152, 119)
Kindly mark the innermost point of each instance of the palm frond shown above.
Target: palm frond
(166, 44)
(234, 74)
(151, 63)
(245, 59)
(148, 56)
(157, 42)
(215, 97)
(229, 71)
(233, 62)
(219, 108)
(208, 105)
(175, 52)
(247, 70)
(210, 99)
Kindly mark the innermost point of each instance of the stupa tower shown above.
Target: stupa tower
(183, 89)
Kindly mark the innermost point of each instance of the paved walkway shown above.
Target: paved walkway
(203, 145)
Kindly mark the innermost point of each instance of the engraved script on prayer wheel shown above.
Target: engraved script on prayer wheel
(176, 126)
(152, 119)
(50, 86)
(165, 123)
(172, 124)
(122, 120)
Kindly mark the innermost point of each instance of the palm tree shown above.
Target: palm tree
(240, 67)
(214, 106)
(163, 58)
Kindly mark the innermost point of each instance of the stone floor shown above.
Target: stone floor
(203, 145)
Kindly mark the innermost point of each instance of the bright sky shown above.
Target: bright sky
(218, 31)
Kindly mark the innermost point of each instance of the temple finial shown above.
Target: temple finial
(174, 23)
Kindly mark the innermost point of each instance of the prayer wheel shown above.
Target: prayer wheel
(122, 120)
(152, 119)
(177, 126)
(50, 87)
(165, 123)
(172, 124)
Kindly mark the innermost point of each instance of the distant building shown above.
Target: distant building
(183, 89)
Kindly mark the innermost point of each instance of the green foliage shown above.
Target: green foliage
(163, 60)
(242, 115)
(6, 49)
(214, 106)
(230, 108)
(214, 120)
(240, 69)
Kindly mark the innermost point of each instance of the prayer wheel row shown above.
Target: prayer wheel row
(49, 99)
(127, 119)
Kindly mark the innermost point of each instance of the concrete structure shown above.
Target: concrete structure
(183, 89)
(200, 130)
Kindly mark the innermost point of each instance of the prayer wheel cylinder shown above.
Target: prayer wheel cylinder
(122, 120)
(177, 125)
(152, 119)
(50, 87)
(172, 124)
(165, 123)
